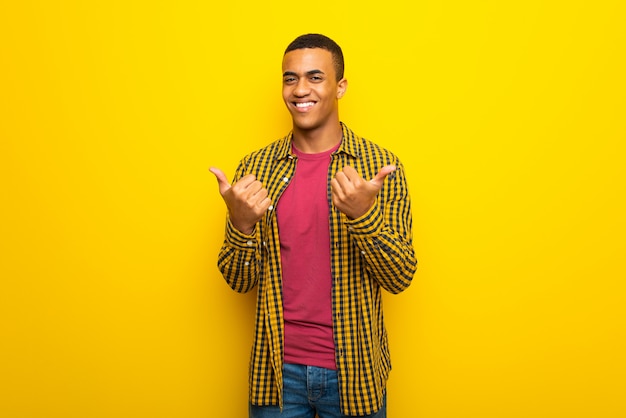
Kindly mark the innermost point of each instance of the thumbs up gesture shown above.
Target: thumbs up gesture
(247, 200)
(354, 195)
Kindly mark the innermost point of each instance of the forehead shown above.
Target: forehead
(307, 59)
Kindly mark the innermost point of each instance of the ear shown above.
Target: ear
(342, 86)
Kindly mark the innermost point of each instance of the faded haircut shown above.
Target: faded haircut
(315, 40)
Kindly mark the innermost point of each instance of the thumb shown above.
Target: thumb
(382, 174)
(222, 181)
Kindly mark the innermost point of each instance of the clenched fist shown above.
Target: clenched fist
(352, 194)
(247, 200)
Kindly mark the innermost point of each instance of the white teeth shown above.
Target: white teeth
(307, 104)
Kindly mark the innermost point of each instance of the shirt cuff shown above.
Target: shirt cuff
(238, 239)
(367, 225)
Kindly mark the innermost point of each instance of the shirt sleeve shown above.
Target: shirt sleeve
(238, 258)
(384, 235)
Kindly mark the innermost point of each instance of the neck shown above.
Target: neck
(317, 140)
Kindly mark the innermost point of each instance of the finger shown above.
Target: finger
(350, 173)
(265, 204)
(222, 180)
(336, 189)
(337, 195)
(382, 174)
(252, 191)
(341, 183)
(247, 180)
(259, 193)
(246, 186)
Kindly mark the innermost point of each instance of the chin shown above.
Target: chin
(305, 126)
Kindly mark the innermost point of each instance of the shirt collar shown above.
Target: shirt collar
(349, 144)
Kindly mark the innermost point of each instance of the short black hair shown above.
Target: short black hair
(315, 40)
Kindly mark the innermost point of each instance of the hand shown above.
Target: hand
(247, 200)
(352, 194)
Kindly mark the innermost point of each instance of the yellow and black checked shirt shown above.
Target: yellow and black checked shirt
(369, 253)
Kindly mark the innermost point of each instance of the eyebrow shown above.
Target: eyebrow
(286, 73)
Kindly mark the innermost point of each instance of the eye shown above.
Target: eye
(289, 80)
(317, 78)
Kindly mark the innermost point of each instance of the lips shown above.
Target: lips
(304, 106)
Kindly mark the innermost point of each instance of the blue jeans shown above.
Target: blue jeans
(308, 390)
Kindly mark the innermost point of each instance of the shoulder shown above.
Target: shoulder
(274, 148)
(265, 157)
(363, 148)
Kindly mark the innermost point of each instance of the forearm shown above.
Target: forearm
(387, 252)
(237, 259)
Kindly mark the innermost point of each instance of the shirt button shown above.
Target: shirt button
(285, 179)
(247, 263)
(271, 207)
(250, 243)
(363, 252)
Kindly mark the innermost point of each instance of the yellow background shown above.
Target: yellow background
(509, 117)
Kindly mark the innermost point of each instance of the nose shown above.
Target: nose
(301, 89)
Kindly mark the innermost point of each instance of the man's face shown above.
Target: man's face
(310, 88)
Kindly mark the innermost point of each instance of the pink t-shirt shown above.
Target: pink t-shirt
(303, 227)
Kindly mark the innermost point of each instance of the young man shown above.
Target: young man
(321, 221)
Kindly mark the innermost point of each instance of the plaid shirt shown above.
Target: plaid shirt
(369, 253)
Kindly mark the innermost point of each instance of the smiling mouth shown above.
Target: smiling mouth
(305, 105)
